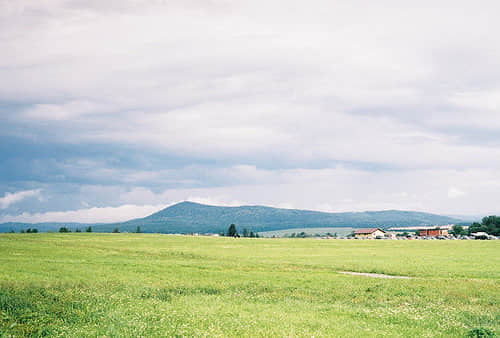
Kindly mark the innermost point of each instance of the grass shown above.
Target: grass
(151, 285)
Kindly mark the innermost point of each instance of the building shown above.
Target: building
(369, 233)
(480, 235)
(433, 232)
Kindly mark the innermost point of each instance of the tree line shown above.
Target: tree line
(233, 232)
(489, 224)
(66, 229)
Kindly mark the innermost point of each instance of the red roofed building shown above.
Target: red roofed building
(369, 233)
(433, 232)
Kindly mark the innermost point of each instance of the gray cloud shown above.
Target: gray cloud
(247, 97)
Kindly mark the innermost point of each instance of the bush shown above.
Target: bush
(481, 332)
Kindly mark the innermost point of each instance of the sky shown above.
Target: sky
(111, 110)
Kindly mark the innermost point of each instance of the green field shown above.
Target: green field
(152, 285)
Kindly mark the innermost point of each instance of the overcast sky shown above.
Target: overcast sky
(111, 110)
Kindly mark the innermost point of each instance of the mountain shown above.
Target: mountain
(187, 217)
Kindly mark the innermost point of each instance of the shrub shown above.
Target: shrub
(481, 332)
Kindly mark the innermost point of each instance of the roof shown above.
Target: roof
(367, 231)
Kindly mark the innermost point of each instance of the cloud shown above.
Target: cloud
(66, 111)
(328, 105)
(11, 198)
(90, 215)
(455, 192)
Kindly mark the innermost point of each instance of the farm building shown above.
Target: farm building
(369, 233)
(433, 232)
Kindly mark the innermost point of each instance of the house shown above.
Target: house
(433, 232)
(369, 233)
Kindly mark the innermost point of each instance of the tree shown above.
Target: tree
(28, 231)
(458, 230)
(78, 230)
(34, 231)
(232, 232)
(477, 227)
(88, 229)
(115, 230)
(64, 230)
(245, 232)
(12, 231)
(492, 223)
(22, 231)
(252, 234)
(138, 230)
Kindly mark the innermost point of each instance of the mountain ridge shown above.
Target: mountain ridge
(189, 217)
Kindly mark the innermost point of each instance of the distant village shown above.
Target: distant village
(446, 232)
(442, 232)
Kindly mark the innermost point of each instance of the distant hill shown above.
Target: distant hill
(187, 217)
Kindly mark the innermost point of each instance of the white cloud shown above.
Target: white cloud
(342, 189)
(455, 192)
(11, 198)
(66, 111)
(90, 215)
(338, 189)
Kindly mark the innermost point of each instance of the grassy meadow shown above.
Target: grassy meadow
(113, 285)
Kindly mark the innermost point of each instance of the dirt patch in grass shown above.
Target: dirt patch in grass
(373, 275)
